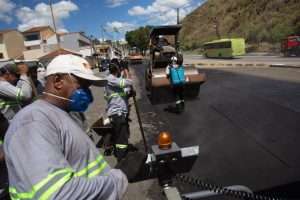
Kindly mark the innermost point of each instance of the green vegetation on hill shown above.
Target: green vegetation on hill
(263, 23)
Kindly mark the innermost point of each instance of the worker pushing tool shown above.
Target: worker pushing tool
(117, 92)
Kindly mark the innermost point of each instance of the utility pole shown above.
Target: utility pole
(176, 36)
(177, 15)
(54, 25)
(92, 44)
(102, 33)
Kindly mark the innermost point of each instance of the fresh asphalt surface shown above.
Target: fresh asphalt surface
(246, 122)
(248, 58)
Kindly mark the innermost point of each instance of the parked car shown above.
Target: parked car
(291, 46)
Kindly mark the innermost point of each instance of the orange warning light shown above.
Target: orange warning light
(164, 140)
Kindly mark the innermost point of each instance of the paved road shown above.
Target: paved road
(247, 124)
(191, 59)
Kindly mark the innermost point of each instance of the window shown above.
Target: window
(1, 56)
(1, 39)
(83, 44)
(218, 45)
(32, 37)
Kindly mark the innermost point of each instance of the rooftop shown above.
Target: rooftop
(7, 30)
(37, 29)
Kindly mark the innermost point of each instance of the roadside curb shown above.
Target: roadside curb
(285, 66)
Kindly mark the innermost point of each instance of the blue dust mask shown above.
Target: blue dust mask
(80, 100)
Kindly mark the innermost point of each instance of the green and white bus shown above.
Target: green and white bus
(224, 48)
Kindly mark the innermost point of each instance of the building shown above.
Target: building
(11, 44)
(39, 41)
(77, 42)
(103, 50)
(45, 59)
(108, 51)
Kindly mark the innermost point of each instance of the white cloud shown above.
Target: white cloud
(40, 15)
(115, 3)
(137, 10)
(164, 12)
(6, 7)
(116, 30)
(120, 27)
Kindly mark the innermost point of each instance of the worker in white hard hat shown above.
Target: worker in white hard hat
(175, 73)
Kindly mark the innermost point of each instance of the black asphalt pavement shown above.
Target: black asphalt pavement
(248, 58)
(247, 124)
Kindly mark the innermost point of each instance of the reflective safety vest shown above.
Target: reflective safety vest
(116, 94)
(111, 94)
(6, 104)
(121, 146)
(59, 161)
(9, 103)
(44, 189)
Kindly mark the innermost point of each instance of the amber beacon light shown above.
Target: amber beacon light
(164, 140)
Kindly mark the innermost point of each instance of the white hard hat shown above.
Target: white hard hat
(71, 64)
(174, 59)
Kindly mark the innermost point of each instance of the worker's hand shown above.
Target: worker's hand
(132, 164)
(23, 69)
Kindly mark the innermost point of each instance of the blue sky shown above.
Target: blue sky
(114, 17)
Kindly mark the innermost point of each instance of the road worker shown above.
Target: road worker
(15, 89)
(48, 155)
(124, 69)
(175, 72)
(37, 82)
(117, 92)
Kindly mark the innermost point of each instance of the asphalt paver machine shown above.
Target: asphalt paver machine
(163, 45)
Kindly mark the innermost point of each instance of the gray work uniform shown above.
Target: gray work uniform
(12, 97)
(116, 95)
(49, 156)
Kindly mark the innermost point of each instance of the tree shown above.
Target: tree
(138, 38)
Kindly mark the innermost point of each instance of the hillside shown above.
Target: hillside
(263, 23)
